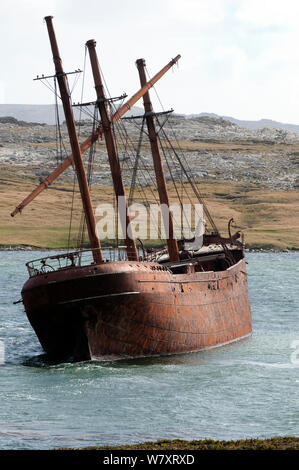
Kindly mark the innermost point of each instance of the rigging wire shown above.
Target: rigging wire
(148, 182)
(79, 125)
(197, 193)
(190, 179)
(167, 120)
(125, 140)
(172, 177)
(71, 214)
(82, 89)
(127, 150)
(135, 168)
(154, 88)
(89, 175)
(60, 146)
(82, 224)
(189, 172)
(47, 84)
(175, 187)
(140, 186)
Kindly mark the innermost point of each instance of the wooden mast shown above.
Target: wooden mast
(107, 126)
(159, 171)
(75, 146)
(92, 138)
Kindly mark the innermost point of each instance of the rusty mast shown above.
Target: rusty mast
(75, 146)
(107, 125)
(158, 167)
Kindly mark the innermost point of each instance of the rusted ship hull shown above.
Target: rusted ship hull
(135, 309)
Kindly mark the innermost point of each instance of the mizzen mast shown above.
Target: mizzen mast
(107, 125)
(158, 167)
(75, 146)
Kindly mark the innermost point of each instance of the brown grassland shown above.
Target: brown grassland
(268, 218)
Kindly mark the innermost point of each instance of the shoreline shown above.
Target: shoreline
(25, 247)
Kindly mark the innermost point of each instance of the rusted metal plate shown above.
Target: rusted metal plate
(129, 309)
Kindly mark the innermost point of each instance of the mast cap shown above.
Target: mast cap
(91, 43)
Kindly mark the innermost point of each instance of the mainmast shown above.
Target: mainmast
(107, 125)
(75, 146)
(158, 167)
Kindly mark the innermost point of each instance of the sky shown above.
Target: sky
(240, 58)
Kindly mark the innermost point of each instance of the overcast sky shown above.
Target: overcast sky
(240, 58)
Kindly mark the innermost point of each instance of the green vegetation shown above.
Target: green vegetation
(274, 443)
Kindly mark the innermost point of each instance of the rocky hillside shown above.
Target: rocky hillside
(213, 147)
(260, 124)
(41, 113)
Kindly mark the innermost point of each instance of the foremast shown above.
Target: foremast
(75, 146)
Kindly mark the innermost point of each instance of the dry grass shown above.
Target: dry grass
(236, 146)
(269, 219)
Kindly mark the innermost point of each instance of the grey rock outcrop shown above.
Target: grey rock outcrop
(211, 148)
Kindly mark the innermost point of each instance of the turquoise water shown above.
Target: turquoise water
(246, 389)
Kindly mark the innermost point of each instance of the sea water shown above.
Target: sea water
(246, 389)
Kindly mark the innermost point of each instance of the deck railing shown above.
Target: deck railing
(74, 259)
